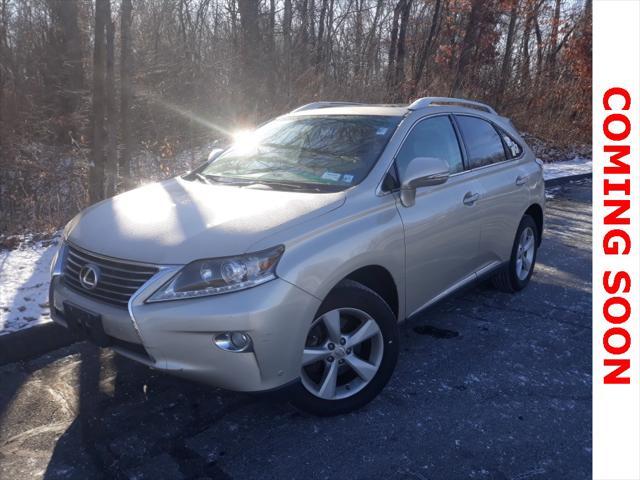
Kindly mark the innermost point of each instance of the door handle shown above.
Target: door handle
(521, 180)
(470, 198)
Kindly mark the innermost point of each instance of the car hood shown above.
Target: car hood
(178, 221)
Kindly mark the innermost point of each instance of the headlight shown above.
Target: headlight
(220, 275)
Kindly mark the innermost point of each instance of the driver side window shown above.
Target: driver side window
(433, 137)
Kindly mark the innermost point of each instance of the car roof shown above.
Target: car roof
(354, 109)
(421, 104)
(424, 105)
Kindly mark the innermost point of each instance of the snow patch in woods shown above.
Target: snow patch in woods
(24, 271)
(24, 285)
(577, 166)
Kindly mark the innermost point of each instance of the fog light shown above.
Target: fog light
(233, 341)
(239, 339)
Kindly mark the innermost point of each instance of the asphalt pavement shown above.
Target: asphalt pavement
(488, 386)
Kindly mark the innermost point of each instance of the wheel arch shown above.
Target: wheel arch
(535, 211)
(380, 280)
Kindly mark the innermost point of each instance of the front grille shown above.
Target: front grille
(118, 279)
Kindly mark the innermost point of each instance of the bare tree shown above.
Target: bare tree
(203, 67)
(427, 47)
(126, 91)
(287, 19)
(506, 59)
(467, 45)
(319, 42)
(553, 40)
(96, 170)
(67, 73)
(393, 45)
(250, 54)
(401, 50)
(111, 165)
(3, 42)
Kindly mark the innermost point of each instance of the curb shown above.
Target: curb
(33, 342)
(554, 182)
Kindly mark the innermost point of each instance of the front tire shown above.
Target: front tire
(516, 275)
(350, 352)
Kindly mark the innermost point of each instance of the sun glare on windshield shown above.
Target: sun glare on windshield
(245, 141)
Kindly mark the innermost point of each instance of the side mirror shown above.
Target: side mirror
(215, 153)
(422, 172)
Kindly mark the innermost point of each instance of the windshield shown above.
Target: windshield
(321, 151)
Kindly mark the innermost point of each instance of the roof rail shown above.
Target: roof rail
(315, 105)
(433, 101)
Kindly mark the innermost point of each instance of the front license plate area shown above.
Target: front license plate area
(86, 324)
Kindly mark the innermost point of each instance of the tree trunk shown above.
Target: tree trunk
(312, 24)
(111, 123)
(319, 42)
(553, 41)
(525, 60)
(3, 41)
(304, 37)
(271, 52)
(272, 20)
(67, 42)
(585, 28)
(372, 42)
(393, 44)
(96, 170)
(358, 34)
(401, 49)
(126, 93)
(249, 11)
(539, 50)
(467, 47)
(287, 17)
(506, 60)
(425, 52)
(328, 48)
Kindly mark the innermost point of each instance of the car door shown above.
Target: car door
(502, 181)
(442, 228)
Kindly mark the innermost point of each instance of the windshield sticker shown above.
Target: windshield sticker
(347, 178)
(381, 131)
(331, 176)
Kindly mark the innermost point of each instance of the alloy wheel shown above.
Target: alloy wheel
(342, 353)
(525, 253)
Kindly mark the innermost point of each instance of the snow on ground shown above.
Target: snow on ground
(24, 272)
(576, 166)
(24, 283)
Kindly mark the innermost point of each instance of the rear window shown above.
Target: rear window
(483, 143)
(513, 148)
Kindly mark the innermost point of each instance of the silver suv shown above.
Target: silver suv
(289, 258)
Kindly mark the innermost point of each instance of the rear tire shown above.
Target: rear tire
(516, 274)
(350, 352)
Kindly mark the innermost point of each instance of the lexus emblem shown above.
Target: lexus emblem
(89, 276)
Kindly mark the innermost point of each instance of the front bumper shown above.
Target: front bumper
(177, 336)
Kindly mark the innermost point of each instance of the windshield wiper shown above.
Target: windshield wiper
(291, 185)
(201, 177)
(224, 180)
(269, 183)
(196, 176)
(246, 182)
